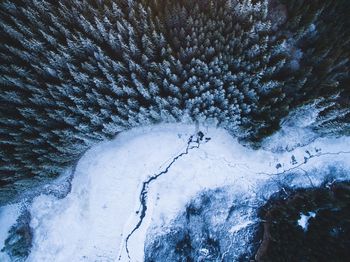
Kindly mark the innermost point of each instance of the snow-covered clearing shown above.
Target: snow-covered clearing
(103, 207)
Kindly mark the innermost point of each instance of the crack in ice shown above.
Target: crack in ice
(145, 186)
(306, 160)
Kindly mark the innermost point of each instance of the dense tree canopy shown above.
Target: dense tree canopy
(74, 73)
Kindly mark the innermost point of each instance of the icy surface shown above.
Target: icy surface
(304, 220)
(103, 207)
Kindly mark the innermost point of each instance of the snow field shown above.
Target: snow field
(92, 222)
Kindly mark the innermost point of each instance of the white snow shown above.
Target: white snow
(295, 130)
(238, 227)
(304, 219)
(92, 222)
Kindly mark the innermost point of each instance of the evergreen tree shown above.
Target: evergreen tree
(74, 73)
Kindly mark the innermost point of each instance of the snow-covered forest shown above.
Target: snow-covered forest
(234, 100)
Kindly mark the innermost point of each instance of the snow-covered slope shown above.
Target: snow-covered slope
(127, 191)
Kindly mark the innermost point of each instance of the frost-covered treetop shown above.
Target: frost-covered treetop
(74, 73)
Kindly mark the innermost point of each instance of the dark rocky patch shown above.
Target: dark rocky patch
(327, 237)
(19, 241)
(203, 231)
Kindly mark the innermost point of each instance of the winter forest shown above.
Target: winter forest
(174, 130)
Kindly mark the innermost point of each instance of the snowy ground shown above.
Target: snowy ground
(103, 207)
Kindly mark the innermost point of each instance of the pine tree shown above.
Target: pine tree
(74, 73)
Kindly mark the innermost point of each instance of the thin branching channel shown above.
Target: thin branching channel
(192, 143)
